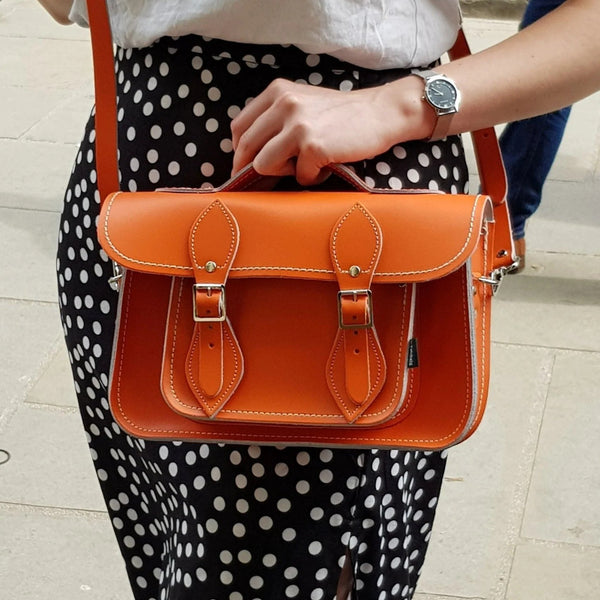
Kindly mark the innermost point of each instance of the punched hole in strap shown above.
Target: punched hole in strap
(362, 308)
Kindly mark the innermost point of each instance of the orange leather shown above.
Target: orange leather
(283, 258)
(353, 318)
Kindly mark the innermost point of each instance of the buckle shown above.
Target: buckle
(355, 294)
(209, 288)
(495, 278)
(116, 279)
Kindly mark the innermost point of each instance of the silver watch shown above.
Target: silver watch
(442, 94)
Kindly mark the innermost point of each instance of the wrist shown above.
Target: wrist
(411, 118)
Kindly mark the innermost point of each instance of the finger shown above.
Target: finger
(277, 156)
(311, 170)
(264, 128)
(256, 107)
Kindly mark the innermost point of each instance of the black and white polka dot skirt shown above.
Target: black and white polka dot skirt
(226, 522)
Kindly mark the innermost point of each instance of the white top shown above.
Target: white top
(377, 34)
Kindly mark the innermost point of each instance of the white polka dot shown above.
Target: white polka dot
(226, 145)
(423, 159)
(226, 577)
(399, 152)
(244, 556)
(315, 79)
(214, 94)
(269, 560)
(315, 548)
(303, 458)
(208, 170)
(383, 168)
(233, 111)
(183, 91)
(179, 128)
(413, 175)
(284, 505)
(261, 494)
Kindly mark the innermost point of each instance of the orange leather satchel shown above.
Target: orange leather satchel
(354, 318)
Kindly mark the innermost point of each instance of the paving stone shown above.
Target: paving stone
(46, 555)
(65, 123)
(568, 220)
(564, 498)
(28, 239)
(438, 597)
(22, 18)
(46, 63)
(546, 572)
(35, 174)
(30, 332)
(55, 386)
(50, 463)
(483, 495)
(545, 323)
(23, 107)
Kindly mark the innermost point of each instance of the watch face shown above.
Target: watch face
(442, 94)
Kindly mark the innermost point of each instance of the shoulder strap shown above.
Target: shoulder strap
(485, 142)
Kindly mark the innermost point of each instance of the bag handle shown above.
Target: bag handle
(485, 142)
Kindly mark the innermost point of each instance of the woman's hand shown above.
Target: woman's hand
(297, 129)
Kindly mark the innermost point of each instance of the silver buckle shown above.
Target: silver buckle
(116, 279)
(209, 287)
(355, 294)
(495, 278)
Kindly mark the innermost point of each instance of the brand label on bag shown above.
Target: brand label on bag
(413, 354)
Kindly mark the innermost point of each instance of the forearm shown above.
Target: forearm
(548, 65)
(58, 9)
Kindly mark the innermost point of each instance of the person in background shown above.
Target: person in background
(529, 148)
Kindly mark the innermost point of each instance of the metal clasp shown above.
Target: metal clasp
(495, 278)
(209, 288)
(116, 279)
(355, 294)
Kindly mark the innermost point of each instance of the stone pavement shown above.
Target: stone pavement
(519, 518)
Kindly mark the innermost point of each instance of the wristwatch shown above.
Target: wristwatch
(442, 94)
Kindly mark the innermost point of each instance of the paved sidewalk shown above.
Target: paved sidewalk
(519, 518)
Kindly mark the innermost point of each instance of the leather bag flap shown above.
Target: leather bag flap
(286, 234)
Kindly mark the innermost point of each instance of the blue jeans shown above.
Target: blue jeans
(530, 146)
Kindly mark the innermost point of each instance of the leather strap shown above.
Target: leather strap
(485, 143)
(215, 361)
(356, 342)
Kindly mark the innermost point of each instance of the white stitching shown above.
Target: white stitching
(280, 268)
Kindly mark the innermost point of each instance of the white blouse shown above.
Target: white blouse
(377, 34)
